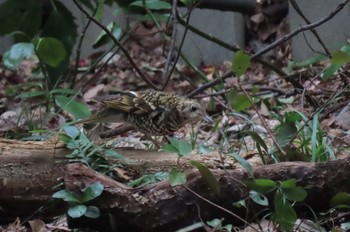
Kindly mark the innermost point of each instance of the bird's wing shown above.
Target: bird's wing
(128, 102)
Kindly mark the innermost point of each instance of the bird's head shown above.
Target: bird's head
(193, 112)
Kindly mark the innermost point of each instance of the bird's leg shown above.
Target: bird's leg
(155, 142)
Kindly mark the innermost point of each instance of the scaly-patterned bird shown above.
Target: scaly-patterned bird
(149, 111)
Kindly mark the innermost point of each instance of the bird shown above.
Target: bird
(149, 111)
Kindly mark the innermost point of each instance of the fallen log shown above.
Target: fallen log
(29, 170)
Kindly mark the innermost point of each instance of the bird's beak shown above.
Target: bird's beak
(207, 118)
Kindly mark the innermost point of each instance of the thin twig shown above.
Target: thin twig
(313, 31)
(339, 7)
(229, 46)
(219, 207)
(317, 111)
(80, 43)
(124, 50)
(263, 121)
(166, 74)
(210, 84)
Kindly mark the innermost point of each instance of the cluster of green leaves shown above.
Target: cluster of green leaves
(286, 193)
(86, 152)
(43, 28)
(178, 177)
(77, 207)
(310, 140)
(338, 59)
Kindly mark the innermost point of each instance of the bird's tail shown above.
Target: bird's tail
(104, 116)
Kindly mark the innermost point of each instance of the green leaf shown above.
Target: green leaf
(92, 191)
(16, 15)
(293, 192)
(149, 179)
(51, 51)
(340, 57)
(215, 223)
(245, 164)
(115, 155)
(99, 12)
(77, 211)
(32, 94)
(341, 199)
(330, 70)
(237, 101)
(284, 212)
(204, 149)
(176, 177)
(258, 198)
(152, 4)
(103, 38)
(92, 212)
(17, 53)
(310, 61)
(64, 91)
(241, 62)
(64, 138)
(187, 3)
(289, 184)
(296, 194)
(257, 138)
(261, 185)
(60, 24)
(158, 17)
(208, 177)
(292, 116)
(71, 131)
(77, 109)
(285, 133)
(169, 148)
(240, 204)
(67, 196)
(183, 148)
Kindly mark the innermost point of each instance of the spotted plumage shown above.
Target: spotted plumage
(149, 111)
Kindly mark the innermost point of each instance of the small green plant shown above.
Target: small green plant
(178, 177)
(149, 179)
(286, 194)
(84, 151)
(77, 201)
(310, 141)
(216, 225)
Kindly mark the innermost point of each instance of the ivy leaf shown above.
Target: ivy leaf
(152, 4)
(258, 198)
(92, 191)
(176, 177)
(77, 211)
(92, 212)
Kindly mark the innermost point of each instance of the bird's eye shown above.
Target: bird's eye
(193, 108)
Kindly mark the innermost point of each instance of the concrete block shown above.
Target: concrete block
(333, 33)
(227, 26)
